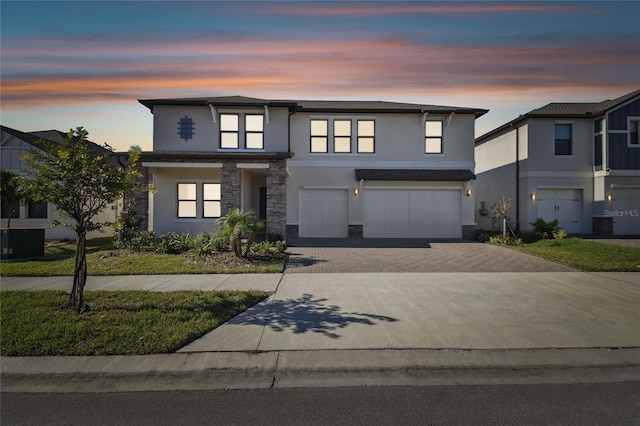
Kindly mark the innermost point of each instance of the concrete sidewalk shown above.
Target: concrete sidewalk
(373, 329)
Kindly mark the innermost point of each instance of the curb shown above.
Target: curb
(325, 368)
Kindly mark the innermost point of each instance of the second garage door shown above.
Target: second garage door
(323, 213)
(411, 213)
(625, 209)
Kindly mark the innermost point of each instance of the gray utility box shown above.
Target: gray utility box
(19, 243)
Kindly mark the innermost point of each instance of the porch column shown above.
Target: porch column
(230, 185)
(277, 197)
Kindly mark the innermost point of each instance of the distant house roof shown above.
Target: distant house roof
(41, 138)
(565, 110)
(414, 174)
(315, 105)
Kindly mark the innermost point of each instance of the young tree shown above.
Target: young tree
(81, 180)
(11, 192)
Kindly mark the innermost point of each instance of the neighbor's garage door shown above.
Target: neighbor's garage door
(625, 209)
(411, 213)
(564, 205)
(323, 213)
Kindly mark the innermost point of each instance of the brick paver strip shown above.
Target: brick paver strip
(435, 257)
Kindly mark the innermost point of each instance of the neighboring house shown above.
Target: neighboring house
(575, 162)
(32, 214)
(339, 169)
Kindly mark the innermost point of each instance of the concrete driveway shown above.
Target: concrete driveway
(410, 255)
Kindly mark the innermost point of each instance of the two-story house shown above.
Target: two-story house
(29, 214)
(575, 162)
(312, 169)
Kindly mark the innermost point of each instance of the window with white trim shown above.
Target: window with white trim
(319, 136)
(433, 137)
(633, 133)
(366, 136)
(229, 131)
(563, 133)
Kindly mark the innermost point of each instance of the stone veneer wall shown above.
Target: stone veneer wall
(230, 187)
(277, 197)
(468, 232)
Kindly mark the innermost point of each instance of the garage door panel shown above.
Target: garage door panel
(626, 207)
(418, 213)
(323, 213)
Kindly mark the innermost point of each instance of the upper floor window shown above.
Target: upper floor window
(563, 139)
(433, 137)
(254, 131)
(633, 133)
(319, 135)
(229, 131)
(342, 136)
(366, 136)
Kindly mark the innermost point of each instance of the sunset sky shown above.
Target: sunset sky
(69, 64)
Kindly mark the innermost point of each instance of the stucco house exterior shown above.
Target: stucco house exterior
(575, 162)
(40, 215)
(312, 169)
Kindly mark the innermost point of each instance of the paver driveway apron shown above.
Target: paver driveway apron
(382, 255)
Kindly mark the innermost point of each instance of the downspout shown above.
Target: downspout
(517, 179)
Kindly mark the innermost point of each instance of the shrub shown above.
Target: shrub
(505, 241)
(269, 247)
(127, 226)
(143, 241)
(238, 225)
(560, 234)
(545, 229)
(528, 237)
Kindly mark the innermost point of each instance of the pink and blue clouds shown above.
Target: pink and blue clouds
(66, 64)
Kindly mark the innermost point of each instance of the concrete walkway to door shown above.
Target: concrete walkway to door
(410, 255)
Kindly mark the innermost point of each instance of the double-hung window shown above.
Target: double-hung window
(366, 136)
(229, 131)
(211, 200)
(433, 137)
(37, 209)
(633, 133)
(342, 136)
(563, 139)
(319, 135)
(197, 200)
(254, 131)
(187, 200)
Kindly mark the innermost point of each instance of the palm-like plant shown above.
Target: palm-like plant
(238, 225)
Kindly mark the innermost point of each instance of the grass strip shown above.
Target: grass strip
(590, 256)
(36, 323)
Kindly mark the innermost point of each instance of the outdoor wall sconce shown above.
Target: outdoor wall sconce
(533, 196)
(609, 197)
(468, 193)
(356, 191)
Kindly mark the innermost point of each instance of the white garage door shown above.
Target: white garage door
(625, 209)
(562, 204)
(411, 213)
(323, 213)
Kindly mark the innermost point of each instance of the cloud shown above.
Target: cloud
(118, 69)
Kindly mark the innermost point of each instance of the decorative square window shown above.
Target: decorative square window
(633, 133)
(185, 128)
(563, 139)
(211, 200)
(187, 200)
(366, 136)
(37, 209)
(254, 131)
(319, 135)
(342, 136)
(433, 137)
(229, 131)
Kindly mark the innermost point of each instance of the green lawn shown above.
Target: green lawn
(102, 259)
(586, 255)
(34, 323)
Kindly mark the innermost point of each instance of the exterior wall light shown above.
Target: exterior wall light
(609, 197)
(533, 196)
(356, 191)
(468, 193)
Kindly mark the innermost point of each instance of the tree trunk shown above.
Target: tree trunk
(76, 298)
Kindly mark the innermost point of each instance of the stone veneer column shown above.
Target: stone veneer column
(230, 185)
(277, 197)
